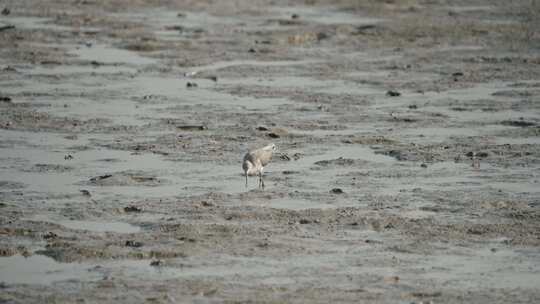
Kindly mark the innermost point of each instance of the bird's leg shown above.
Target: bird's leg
(261, 180)
(246, 179)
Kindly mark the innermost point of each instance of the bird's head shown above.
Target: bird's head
(271, 147)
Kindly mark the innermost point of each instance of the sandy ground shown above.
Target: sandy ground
(407, 168)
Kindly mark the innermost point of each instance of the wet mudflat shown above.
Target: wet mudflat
(406, 172)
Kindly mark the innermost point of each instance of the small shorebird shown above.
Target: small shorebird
(255, 161)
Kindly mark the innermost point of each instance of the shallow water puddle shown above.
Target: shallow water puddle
(517, 140)
(119, 111)
(485, 268)
(174, 177)
(39, 23)
(297, 204)
(315, 85)
(482, 91)
(118, 227)
(105, 54)
(468, 8)
(80, 69)
(351, 151)
(225, 64)
(42, 270)
(169, 25)
(518, 187)
(324, 15)
(175, 89)
(94, 226)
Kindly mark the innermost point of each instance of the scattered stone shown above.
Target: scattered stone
(304, 221)
(306, 38)
(101, 177)
(368, 241)
(174, 28)
(181, 15)
(475, 231)
(132, 209)
(389, 226)
(252, 50)
(6, 11)
(337, 191)
(156, 263)
(297, 156)
(207, 204)
(413, 107)
(288, 22)
(322, 36)
(362, 29)
(295, 16)
(284, 157)
(392, 279)
(261, 128)
(482, 154)
(50, 235)
(134, 244)
(518, 123)
(5, 99)
(9, 69)
(192, 127)
(50, 62)
(277, 133)
(392, 93)
(423, 165)
(85, 192)
(191, 240)
(191, 84)
(263, 245)
(426, 294)
(68, 157)
(336, 162)
(146, 97)
(399, 155)
(71, 137)
(477, 154)
(7, 27)
(289, 172)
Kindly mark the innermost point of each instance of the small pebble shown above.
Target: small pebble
(337, 191)
(156, 263)
(393, 93)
